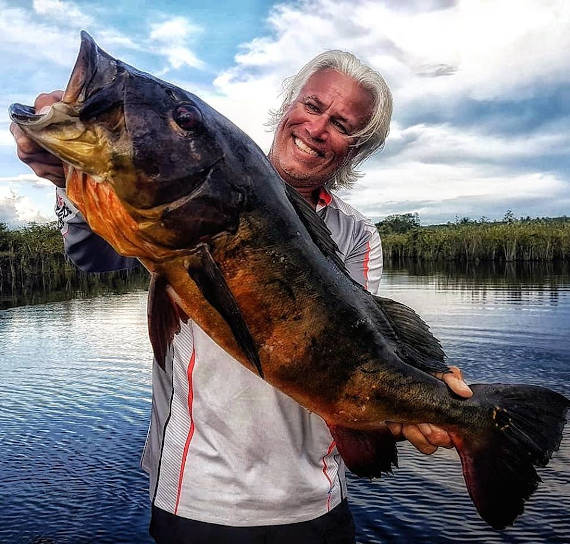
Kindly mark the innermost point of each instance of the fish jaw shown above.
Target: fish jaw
(67, 132)
(61, 132)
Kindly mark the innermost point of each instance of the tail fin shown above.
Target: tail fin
(523, 430)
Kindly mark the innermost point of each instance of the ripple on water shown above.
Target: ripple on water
(75, 403)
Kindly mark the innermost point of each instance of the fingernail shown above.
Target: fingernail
(43, 110)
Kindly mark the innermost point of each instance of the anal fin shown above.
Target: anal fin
(210, 280)
(366, 453)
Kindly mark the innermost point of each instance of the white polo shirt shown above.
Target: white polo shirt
(224, 446)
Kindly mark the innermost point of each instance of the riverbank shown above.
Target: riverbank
(513, 240)
(34, 269)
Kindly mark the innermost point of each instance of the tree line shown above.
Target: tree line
(33, 268)
(510, 239)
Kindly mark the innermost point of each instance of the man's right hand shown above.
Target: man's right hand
(43, 163)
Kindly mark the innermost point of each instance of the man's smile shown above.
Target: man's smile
(306, 149)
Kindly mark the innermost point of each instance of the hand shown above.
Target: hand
(43, 163)
(424, 436)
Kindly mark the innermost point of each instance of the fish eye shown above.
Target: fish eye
(187, 116)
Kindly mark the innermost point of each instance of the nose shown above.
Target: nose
(317, 128)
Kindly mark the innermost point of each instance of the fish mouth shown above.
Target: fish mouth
(21, 113)
(62, 129)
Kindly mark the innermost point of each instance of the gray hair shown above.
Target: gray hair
(367, 140)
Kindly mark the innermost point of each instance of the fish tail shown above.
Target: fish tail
(519, 428)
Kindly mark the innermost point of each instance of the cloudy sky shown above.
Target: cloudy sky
(481, 88)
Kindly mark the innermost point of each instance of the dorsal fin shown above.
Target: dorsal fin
(317, 228)
(417, 346)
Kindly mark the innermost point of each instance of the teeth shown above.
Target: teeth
(303, 147)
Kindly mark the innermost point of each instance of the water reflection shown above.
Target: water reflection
(75, 403)
(524, 283)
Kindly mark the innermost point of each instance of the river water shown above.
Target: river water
(75, 402)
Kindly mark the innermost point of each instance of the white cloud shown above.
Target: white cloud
(173, 29)
(480, 50)
(20, 30)
(171, 36)
(493, 49)
(18, 209)
(445, 190)
(449, 144)
(30, 180)
(433, 58)
(63, 12)
(49, 34)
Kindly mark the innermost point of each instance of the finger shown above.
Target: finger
(47, 99)
(54, 173)
(438, 436)
(24, 144)
(56, 179)
(417, 439)
(455, 382)
(37, 155)
(395, 428)
(425, 429)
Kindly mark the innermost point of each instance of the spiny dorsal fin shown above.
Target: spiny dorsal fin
(210, 280)
(418, 348)
(317, 228)
(417, 345)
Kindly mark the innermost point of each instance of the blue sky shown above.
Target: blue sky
(481, 88)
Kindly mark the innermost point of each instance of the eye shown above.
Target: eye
(340, 127)
(311, 107)
(187, 116)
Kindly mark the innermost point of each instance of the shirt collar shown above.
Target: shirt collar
(325, 198)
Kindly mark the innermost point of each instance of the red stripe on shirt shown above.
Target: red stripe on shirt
(190, 431)
(325, 467)
(365, 265)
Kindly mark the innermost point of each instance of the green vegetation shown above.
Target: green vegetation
(524, 239)
(33, 269)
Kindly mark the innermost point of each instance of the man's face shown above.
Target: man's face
(313, 138)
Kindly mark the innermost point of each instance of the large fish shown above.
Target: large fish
(165, 178)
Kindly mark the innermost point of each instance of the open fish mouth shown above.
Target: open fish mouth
(25, 114)
(27, 117)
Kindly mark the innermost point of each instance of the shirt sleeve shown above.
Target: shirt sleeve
(364, 262)
(87, 250)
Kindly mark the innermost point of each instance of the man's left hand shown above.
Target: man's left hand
(427, 437)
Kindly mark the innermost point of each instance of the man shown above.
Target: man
(230, 458)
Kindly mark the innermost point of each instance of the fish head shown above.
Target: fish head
(165, 156)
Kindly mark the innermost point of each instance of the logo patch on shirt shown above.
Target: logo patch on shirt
(64, 210)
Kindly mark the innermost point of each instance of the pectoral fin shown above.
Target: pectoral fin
(164, 317)
(209, 279)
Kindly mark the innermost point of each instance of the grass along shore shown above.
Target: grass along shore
(546, 239)
(34, 269)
